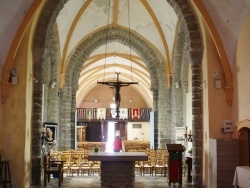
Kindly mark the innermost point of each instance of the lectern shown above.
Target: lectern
(175, 163)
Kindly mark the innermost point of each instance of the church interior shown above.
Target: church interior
(77, 73)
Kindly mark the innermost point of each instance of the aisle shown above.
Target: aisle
(94, 182)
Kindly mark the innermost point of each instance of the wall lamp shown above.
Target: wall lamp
(188, 136)
(13, 76)
(53, 84)
(178, 84)
(217, 78)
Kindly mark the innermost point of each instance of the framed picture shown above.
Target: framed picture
(52, 127)
(179, 135)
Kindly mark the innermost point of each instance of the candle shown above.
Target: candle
(186, 131)
(190, 132)
(48, 129)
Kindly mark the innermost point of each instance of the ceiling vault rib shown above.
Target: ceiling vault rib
(119, 26)
(95, 58)
(93, 61)
(63, 65)
(126, 67)
(119, 55)
(87, 84)
(115, 13)
(221, 50)
(158, 26)
(5, 86)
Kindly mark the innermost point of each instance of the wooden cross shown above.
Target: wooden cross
(117, 85)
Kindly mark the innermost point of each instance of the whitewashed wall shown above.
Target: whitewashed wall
(142, 133)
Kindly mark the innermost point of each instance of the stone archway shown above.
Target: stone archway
(194, 54)
(41, 54)
(179, 90)
(153, 60)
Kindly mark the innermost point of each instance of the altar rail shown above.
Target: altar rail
(142, 114)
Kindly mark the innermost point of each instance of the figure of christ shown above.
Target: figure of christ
(117, 86)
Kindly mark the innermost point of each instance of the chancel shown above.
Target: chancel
(117, 86)
(189, 57)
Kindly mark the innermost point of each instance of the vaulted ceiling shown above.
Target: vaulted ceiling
(154, 21)
(80, 19)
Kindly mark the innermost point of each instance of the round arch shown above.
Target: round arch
(156, 67)
(41, 51)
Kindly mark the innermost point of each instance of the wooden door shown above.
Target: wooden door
(104, 131)
(81, 133)
(120, 127)
(94, 132)
(244, 144)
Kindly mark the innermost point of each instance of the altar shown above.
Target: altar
(242, 177)
(118, 168)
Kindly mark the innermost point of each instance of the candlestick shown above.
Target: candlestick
(189, 136)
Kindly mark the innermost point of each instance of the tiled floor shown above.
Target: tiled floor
(94, 182)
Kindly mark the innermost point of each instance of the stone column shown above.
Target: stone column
(155, 109)
(197, 123)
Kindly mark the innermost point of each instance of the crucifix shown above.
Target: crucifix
(117, 86)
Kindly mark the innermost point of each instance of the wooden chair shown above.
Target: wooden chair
(95, 167)
(148, 166)
(75, 162)
(160, 163)
(138, 167)
(65, 156)
(85, 165)
(52, 167)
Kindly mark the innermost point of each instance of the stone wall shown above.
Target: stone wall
(113, 174)
(155, 64)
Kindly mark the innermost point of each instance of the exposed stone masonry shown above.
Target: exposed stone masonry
(115, 175)
(40, 54)
(193, 41)
(161, 94)
(152, 59)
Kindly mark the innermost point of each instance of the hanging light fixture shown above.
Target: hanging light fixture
(117, 84)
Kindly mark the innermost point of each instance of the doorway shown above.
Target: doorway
(120, 130)
(94, 132)
(115, 129)
(244, 142)
(111, 136)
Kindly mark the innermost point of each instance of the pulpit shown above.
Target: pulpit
(175, 163)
